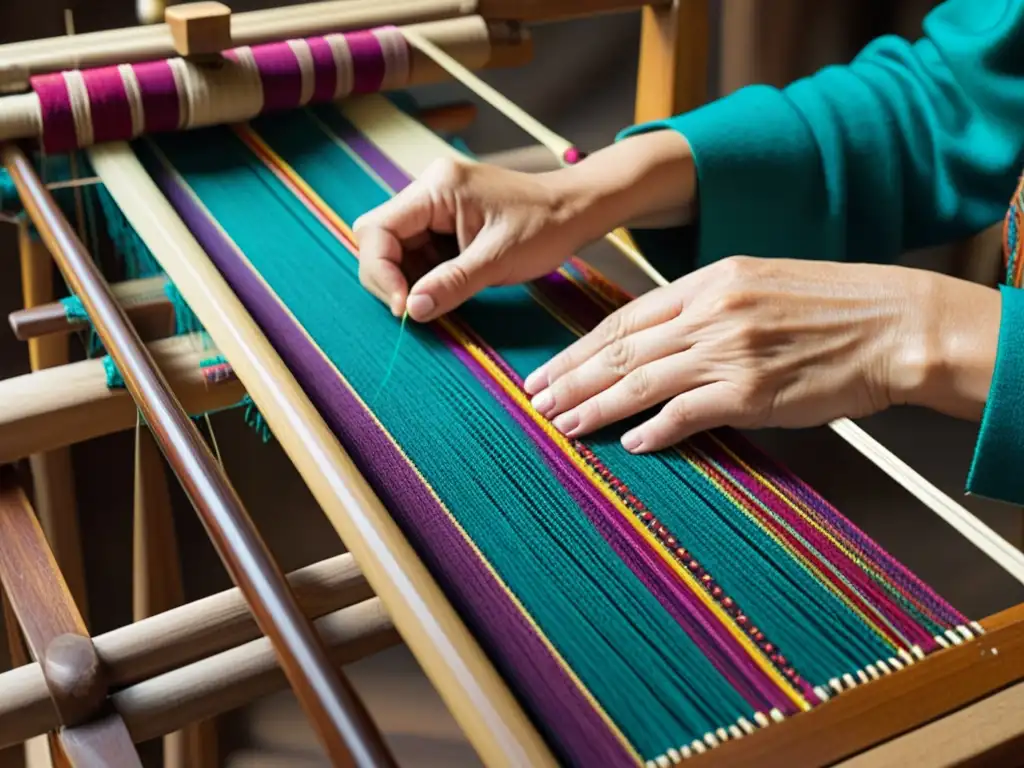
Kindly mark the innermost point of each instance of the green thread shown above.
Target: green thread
(394, 357)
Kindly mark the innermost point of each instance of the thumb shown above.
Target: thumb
(382, 235)
(453, 282)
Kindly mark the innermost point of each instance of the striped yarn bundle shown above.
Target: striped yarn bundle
(643, 609)
(82, 107)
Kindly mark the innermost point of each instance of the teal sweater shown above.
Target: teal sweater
(910, 145)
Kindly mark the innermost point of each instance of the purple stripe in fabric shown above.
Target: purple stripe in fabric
(558, 705)
(280, 75)
(634, 553)
(388, 172)
(862, 583)
(723, 652)
(159, 96)
(108, 104)
(326, 71)
(816, 505)
(55, 108)
(368, 67)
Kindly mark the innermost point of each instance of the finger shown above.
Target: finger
(641, 389)
(614, 364)
(658, 306)
(450, 284)
(707, 407)
(380, 271)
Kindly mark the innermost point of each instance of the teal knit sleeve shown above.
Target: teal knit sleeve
(911, 144)
(999, 452)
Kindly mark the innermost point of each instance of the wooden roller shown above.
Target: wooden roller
(71, 403)
(19, 61)
(204, 688)
(164, 642)
(473, 42)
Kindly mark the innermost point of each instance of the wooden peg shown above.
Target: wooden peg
(199, 29)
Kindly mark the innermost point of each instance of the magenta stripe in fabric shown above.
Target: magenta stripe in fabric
(55, 107)
(280, 75)
(367, 61)
(324, 67)
(108, 104)
(577, 730)
(715, 643)
(160, 107)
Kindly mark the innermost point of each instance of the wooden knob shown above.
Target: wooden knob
(199, 29)
(74, 676)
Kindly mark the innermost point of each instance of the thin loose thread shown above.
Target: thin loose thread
(394, 358)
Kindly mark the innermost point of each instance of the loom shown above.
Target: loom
(572, 604)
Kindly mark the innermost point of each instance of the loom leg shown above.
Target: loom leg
(36, 752)
(672, 76)
(157, 585)
(52, 473)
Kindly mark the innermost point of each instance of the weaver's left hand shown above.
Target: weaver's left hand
(762, 342)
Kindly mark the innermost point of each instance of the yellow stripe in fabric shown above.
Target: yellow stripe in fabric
(797, 558)
(685, 576)
(766, 482)
(311, 200)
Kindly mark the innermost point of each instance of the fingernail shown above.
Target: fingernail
(543, 403)
(396, 304)
(632, 441)
(536, 381)
(567, 423)
(419, 306)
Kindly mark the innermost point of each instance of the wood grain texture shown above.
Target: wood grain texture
(56, 636)
(144, 300)
(157, 585)
(348, 735)
(53, 479)
(945, 682)
(175, 638)
(672, 75)
(72, 403)
(472, 689)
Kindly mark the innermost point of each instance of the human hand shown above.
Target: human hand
(511, 227)
(757, 343)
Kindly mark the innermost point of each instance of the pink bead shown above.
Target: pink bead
(572, 156)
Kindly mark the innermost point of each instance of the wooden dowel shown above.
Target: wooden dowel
(344, 727)
(57, 637)
(19, 61)
(479, 699)
(144, 300)
(70, 404)
(175, 638)
(207, 687)
(470, 40)
(53, 479)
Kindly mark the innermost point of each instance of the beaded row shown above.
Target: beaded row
(685, 558)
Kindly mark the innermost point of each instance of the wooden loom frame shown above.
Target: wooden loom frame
(480, 702)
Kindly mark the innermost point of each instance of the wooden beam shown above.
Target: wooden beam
(72, 403)
(672, 75)
(176, 638)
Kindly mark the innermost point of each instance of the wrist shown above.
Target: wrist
(950, 357)
(647, 180)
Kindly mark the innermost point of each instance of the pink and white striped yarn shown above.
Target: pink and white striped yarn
(83, 107)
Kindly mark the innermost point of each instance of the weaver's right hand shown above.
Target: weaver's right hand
(510, 226)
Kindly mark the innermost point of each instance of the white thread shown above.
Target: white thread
(746, 725)
(396, 57)
(134, 94)
(180, 76)
(78, 96)
(307, 69)
(674, 756)
(343, 66)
